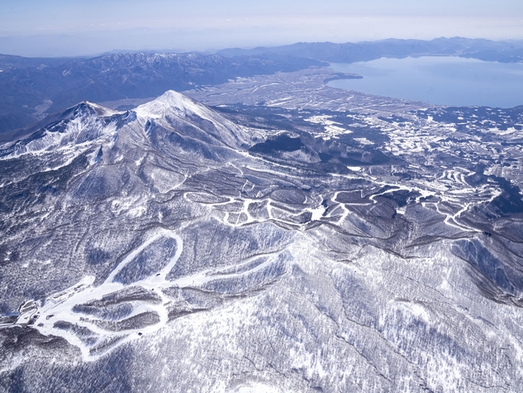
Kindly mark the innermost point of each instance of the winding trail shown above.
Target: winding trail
(94, 340)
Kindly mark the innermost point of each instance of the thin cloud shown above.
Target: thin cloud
(58, 27)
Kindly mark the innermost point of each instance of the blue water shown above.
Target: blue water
(438, 80)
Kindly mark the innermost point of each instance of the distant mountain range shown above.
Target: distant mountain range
(33, 88)
(502, 51)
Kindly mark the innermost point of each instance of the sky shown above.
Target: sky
(89, 27)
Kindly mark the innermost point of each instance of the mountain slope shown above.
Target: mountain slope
(174, 248)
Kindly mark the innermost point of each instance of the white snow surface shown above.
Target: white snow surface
(174, 104)
(60, 306)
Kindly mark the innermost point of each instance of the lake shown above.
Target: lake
(450, 81)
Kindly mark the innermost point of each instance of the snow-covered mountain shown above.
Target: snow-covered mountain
(174, 247)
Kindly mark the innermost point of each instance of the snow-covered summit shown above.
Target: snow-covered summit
(80, 124)
(171, 102)
(82, 109)
(173, 107)
(100, 110)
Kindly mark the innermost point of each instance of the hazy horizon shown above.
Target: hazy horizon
(61, 28)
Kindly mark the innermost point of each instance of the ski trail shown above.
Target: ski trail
(95, 340)
(99, 319)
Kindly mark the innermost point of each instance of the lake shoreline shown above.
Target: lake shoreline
(438, 80)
